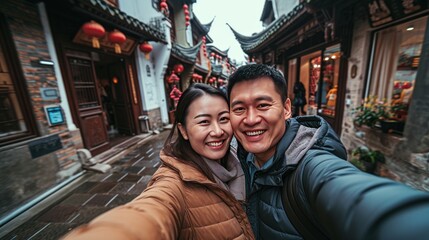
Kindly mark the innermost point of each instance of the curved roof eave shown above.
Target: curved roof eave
(251, 43)
(186, 54)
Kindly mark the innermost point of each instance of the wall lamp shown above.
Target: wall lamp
(42, 63)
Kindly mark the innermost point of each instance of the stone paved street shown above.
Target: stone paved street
(99, 193)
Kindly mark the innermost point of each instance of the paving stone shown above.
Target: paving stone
(122, 187)
(77, 199)
(85, 187)
(122, 199)
(131, 178)
(86, 214)
(103, 187)
(100, 200)
(114, 177)
(59, 213)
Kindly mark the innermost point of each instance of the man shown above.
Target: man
(298, 182)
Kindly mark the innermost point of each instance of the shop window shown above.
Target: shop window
(328, 87)
(15, 118)
(395, 59)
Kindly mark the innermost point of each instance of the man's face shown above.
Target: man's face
(258, 116)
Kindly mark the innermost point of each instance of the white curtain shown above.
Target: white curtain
(385, 63)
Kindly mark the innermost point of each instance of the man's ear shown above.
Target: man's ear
(183, 131)
(288, 109)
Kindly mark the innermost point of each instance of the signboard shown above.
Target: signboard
(44, 146)
(54, 115)
(385, 11)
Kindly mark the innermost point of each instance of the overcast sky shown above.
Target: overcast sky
(242, 15)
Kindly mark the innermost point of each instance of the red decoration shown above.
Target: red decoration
(178, 68)
(185, 7)
(146, 48)
(117, 38)
(187, 18)
(95, 31)
(175, 95)
(212, 54)
(173, 78)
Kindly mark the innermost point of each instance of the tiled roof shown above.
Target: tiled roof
(188, 55)
(212, 48)
(251, 42)
(121, 20)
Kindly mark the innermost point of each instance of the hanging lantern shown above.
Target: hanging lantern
(95, 31)
(163, 5)
(117, 38)
(187, 18)
(146, 48)
(185, 7)
(178, 68)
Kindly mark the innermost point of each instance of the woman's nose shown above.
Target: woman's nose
(216, 130)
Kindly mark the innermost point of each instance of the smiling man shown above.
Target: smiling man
(298, 184)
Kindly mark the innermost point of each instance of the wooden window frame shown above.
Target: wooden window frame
(20, 86)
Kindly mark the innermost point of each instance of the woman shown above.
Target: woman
(197, 191)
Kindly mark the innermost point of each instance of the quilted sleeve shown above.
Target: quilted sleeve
(156, 214)
(351, 204)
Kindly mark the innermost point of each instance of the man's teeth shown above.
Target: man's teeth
(214, 144)
(254, 133)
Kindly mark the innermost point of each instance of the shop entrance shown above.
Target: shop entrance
(100, 92)
(115, 101)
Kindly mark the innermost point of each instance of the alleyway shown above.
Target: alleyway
(99, 193)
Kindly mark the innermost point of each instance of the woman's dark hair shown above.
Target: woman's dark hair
(180, 148)
(255, 71)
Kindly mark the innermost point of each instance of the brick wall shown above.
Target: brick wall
(22, 175)
(407, 156)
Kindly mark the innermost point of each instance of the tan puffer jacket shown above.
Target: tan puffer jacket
(179, 203)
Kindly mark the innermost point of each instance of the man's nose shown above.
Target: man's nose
(252, 117)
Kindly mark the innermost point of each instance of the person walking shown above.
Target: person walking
(198, 191)
(299, 100)
(298, 182)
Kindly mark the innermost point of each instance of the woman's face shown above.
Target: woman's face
(207, 127)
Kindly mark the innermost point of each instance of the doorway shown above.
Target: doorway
(115, 100)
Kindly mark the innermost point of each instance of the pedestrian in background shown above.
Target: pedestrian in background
(298, 182)
(197, 192)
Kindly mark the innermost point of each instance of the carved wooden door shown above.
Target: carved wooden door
(88, 104)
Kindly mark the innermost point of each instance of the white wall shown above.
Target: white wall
(151, 87)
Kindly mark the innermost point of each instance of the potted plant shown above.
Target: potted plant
(370, 112)
(379, 113)
(366, 159)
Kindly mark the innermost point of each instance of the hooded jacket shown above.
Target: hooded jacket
(180, 202)
(303, 136)
(341, 201)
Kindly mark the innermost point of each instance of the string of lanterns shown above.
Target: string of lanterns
(186, 12)
(96, 31)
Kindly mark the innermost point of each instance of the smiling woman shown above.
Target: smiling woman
(198, 190)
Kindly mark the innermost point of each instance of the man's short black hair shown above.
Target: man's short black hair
(255, 71)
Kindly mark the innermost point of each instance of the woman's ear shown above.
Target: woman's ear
(182, 131)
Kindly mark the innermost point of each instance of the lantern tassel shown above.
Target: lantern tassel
(147, 55)
(117, 48)
(95, 42)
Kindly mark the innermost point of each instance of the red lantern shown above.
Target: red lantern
(178, 68)
(117, 38)
(163, 5)
(95, 31)
(187, 18)
(185, 7)
(212, 54)
(146, 48)
(187, 23)
(186, 11)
